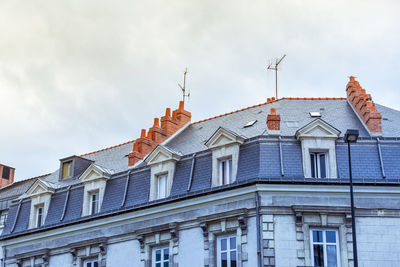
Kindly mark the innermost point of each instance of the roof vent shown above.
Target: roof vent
(315, 114)
(250, 123)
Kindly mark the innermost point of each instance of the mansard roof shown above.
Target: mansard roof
(260, 159)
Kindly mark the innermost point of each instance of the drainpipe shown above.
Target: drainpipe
(259, 255)
(4, 257)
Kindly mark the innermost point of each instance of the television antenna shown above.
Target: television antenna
(183, 88)
(274, 67)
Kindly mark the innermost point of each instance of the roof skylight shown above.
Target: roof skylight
(315, 114)
(250, 123)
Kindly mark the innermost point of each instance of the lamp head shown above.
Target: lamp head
(351, 136)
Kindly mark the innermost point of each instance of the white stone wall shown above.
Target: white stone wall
(378, 240)
(125, 253)
(251, 242)
(191, 248)
(286, 245)
(61, 260)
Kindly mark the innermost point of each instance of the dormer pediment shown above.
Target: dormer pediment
(162, 154)
(223, 137)
(95, 172)
(39, 188)
(318, 129)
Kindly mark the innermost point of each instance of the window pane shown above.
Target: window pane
(223, 244)
(95, 264)
(322, 165)
(166, 264)
(312, 165)
(318, 255)
(166, 254)
(223, 172)
(230, 171)
(331, 254)
(224, 260)
(233, 258)
(89, 264)
(331, 236)
(158, 264)
(6, 172)
(232, 243)
(158, 255)
(317, 236)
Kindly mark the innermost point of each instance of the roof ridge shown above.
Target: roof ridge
(271, 101)
(103, 149)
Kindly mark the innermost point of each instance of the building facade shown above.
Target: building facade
(267, 185)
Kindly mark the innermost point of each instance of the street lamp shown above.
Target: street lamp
(351, 136)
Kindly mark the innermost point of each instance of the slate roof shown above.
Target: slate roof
(259, 159)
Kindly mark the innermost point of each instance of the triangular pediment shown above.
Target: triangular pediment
(161, 154)
(318, 129)
(94, 172)
(39, 188)
(223, 137)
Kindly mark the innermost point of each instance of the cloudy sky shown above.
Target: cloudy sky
(77, 76)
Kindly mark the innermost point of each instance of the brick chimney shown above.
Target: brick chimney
(156, 134)
(6, 175)
(364, 106)
(274, 120)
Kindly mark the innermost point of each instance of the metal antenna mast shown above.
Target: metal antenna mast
(183, 88)
(275, 68)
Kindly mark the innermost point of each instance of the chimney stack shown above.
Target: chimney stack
(156, 134)
(274, 121)
(6, 175)
(364, 106)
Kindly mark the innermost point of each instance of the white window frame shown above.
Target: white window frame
(228, 249)
(162, 189)
(91, 202)
(3, 218)
(85, 262)
(39, 216)
(163, 260)
(316, 164)
(325, 243)
(225, 171)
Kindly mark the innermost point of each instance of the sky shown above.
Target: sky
(77, 76)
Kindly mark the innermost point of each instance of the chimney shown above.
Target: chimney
(364, 106)
(156, 134)
(274, 121)
(6, 175)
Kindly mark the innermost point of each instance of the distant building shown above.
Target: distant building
(266, 185)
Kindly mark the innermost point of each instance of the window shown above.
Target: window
(3, 217)
(226, 251)
(94, 202)
(325, 248)
(160, 257)
(39, 215)
(319, 164)
(91, 263)
(162, 186)
(225, 171)
(6, 172)
(66, 169)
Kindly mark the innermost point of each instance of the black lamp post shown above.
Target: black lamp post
(351, 136)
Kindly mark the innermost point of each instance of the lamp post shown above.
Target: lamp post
(351, 136)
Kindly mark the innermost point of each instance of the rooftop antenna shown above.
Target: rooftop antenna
(183, 88)
(275, 68)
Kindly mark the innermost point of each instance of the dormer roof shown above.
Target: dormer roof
(222, 137)
(318, 129)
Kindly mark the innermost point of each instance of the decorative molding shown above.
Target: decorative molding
(162, 154)
(223, 137)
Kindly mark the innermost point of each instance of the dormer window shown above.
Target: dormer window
(225, 171)
(162, 161)
(225, 146)
(162, 186)
(39, 211)
(319, 162)
(66, 169)
(318, 147)
(94, 202)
